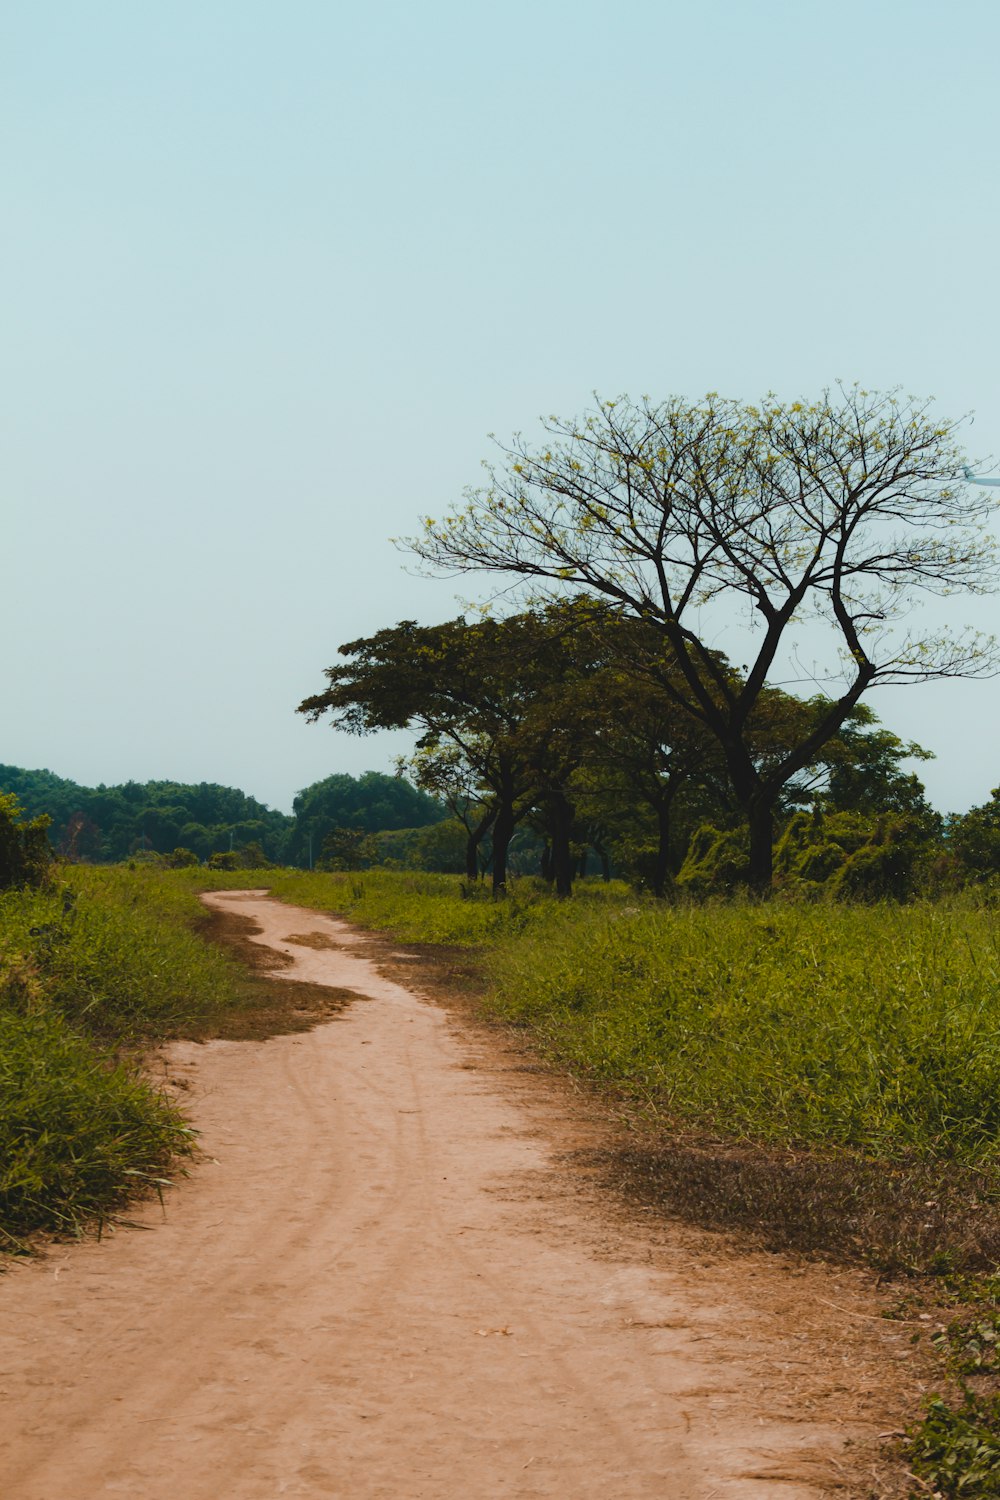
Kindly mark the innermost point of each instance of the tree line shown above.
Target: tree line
(557, 725)
(198, 822)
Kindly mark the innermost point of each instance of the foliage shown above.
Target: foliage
(180, 859)
(955, 1450)
(347, 849)
(109, 823)
(855, 856)
(24, 848)
(500, 693)
(371, 802)
(974, 840)
(717, 862)
(567, 717)
(850, 507)
(181, 822)
(227, 859)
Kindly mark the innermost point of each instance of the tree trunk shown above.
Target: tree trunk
(562, 858)
(761, 817)
(605, 865)
(503, 832)
(545, 863)
(661, 869)
(473, 840)
(757, 804)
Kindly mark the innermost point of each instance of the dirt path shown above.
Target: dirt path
(383, 1284)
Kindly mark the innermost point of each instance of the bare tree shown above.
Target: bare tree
(846, 508)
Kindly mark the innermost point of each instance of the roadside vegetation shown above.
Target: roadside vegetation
(97, 965)
(819, 1076)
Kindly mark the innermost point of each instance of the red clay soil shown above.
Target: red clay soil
(385, 1280)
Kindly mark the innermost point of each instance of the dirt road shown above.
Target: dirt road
(383, 1283)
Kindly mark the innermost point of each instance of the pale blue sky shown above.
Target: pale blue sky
(274, 271)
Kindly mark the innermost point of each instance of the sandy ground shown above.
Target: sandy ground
(385, 1280)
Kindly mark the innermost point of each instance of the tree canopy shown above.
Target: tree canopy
(847, 508)
(566, 717)
(365, 804)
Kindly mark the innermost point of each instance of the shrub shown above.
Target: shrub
(25, 856)
(717, 861)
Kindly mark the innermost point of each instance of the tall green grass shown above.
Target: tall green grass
(420, 908)
(875, 1028)
(79, 1133)
(107, 960)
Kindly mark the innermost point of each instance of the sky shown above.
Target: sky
(274, 272)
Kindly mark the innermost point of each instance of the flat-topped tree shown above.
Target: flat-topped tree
(844, 508)
(486, 688)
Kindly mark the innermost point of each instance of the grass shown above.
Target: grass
(91, 972)
(821, 1077)
(825, 1077)
(871, 1029)
(79, 1132)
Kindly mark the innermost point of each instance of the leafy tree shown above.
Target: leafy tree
(110, 822)
(347, 849)
(974, 839)
(444, 771)
(371, 802)
(226, 859)
(440, 847)
(25, 855)
(253, 857)
(181, 859)
(473, 688)
(500, 706)
(864, 773)
(847, 507)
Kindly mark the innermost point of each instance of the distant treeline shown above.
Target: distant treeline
(863, 830)
(109, 823)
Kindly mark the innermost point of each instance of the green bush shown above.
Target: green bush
(25, 855)
(181, 859)
(717, 862)
(955, 1451)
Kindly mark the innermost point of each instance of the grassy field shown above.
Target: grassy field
(92, 971)
(874, 1028)
(848, 1054)
(820, 1077)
